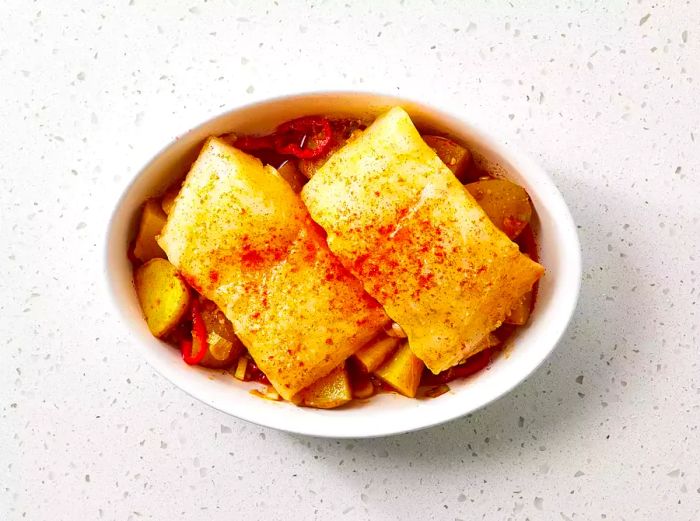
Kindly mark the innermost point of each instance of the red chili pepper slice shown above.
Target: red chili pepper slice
(253, 143)
(303, 138)
(199, 338)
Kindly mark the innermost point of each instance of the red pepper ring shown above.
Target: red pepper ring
(199, 337)
(253, 143)
(304, 138)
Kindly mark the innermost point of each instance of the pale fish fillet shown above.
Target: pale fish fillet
(398, 218)
(242, 238)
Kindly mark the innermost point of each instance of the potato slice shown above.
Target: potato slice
(163, 295)
(402, 371)
(269, 393)
(292, 175)
(241, 368)
(152, 221)
(168, 199)
(308, 167)
(507, 204)
(333, 390)
(224, 347)
(520, 314)
(373, 354)
(344, 132)
(455, 156)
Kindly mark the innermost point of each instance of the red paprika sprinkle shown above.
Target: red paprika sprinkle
(199, 338)
(252, 258)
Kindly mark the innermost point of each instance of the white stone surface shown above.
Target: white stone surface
(604, 94)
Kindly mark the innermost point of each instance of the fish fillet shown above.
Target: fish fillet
(400, 221)
(242, 238)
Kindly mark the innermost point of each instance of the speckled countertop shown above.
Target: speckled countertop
(603, 94)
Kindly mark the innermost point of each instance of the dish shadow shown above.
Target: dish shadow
(579, 384)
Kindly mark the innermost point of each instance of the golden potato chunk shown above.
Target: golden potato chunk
(506, 204)
(520, 314)
(163, 296)
(241, 368)
(168, 199)
(402, 371)
(456, 157)
(224, 347)
(152, 221)
(373, 354)
(308, 167)
(333, 390)
(292, 175)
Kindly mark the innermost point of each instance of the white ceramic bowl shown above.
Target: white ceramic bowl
(386, 413)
